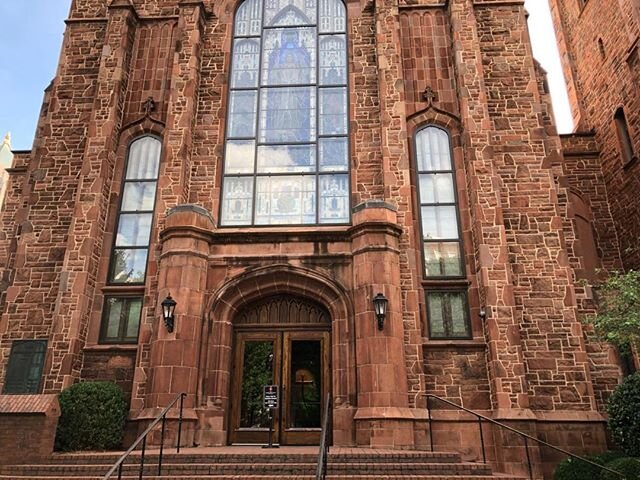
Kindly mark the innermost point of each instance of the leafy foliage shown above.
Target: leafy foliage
(618, 318)
(574, 469)
(629, 467)
(92, 417)
(624, 415)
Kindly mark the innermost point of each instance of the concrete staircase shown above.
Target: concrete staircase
(254, 463)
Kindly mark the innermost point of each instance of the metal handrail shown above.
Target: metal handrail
(321, 471)
(526, 437)
(143, 438)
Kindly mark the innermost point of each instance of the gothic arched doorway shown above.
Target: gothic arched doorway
(285, 341)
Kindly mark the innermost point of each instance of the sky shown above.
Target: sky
(29, 52)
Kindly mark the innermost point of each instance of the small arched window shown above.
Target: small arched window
(286, 155)
(441, 235)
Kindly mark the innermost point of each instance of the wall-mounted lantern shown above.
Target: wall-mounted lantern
(380, 304)
(168, 309)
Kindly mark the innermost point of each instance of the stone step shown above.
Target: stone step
(280, 477)
(134, 458)
(248, 468)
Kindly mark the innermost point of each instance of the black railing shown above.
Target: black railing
(162, 417)
(525, 436)
(321, 471)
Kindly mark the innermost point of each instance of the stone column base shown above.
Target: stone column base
(388, 427)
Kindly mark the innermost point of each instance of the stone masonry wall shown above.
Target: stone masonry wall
(557, 367)
(51, 189)
(602, 45)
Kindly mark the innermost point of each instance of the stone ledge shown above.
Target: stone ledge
(390, 413)
(29, 405)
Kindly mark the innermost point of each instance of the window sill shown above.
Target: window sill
(271, 234)
(449, 344)
(111, 347)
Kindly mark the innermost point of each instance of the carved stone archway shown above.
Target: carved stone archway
(227, 305)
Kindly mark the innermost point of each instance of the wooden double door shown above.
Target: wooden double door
(296, 361)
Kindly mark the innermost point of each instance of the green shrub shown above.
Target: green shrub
(92, 417)
(624, 415)
(574, 469)
(629, 467)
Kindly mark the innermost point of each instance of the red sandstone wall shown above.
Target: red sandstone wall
(603, 83)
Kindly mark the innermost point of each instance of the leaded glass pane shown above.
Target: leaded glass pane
(289, 56)
(138, 196)
(128, 265)
(246, 63)
(237, 201)
(333, 154)
(288, 115)
(442, 259)
(333, 111)
(439, 222)
(133, 318)
(243, 105)
(286, 158)
(144, 159)
(448, 316)
(113, 316)
(436, 321)
(433, 150)
(134, 230)
(239, 156)
(437, 188)
(248, 18)
(334, 199)
(333, 60)
(289, 12)
(285, 200)
(24, 368)
(459, 321)
(333, 16)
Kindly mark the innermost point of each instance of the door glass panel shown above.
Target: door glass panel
(257, 372)
(306, 384)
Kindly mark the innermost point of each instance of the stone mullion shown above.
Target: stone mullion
(506, 366)
(87, 228)
(397, 180)
(182, 105)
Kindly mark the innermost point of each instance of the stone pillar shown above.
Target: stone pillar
(182, 274)
(86, 233)
(182, 104)
(506, 367)
(383, 418)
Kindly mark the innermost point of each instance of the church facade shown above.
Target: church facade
(280, 169)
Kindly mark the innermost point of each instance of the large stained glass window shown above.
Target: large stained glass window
(286, 154)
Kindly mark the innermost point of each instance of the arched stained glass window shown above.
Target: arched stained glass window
(439, 209)
(286, 155)
(129, 257)
(447, 307)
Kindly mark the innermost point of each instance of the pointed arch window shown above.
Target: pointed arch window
(135, 217)
(129, 256)
(286, 154)
(447, 307)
